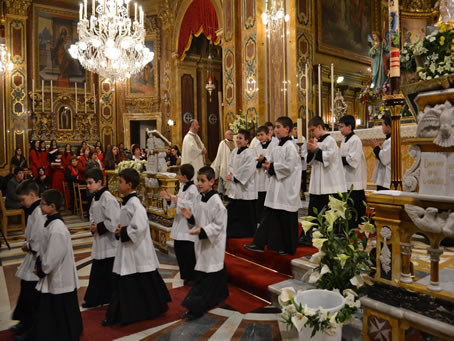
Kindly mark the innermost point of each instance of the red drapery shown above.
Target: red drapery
(199, 18)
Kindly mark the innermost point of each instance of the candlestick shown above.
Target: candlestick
(104, 6)
(85, 97)
(307, 102)
(33, 95)
(299, 124)
(75, 97)
(42, 95)
(319, 90)
(332, 95)
(51, 97)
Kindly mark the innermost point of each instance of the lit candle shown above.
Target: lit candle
(42, 94)
(141, 15)
(299, 124)
(307, 102)
(85, 97)
(93, 7)
(81, 9)
(135, 11)
(319, 90)
(33, 95)
(85, 9)
(75, 96)
(51, 97)
(332, 95)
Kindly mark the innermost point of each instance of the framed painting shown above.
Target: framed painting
(343, 27)
(413, 26)
(54, 31)
(64, 118)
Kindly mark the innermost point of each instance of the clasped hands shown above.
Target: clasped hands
(312, 145)
(187, 213)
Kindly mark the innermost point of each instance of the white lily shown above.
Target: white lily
(314, 277)
(337, 205)
(299, 320)
(308, 311)
(342, 258)
(357, 281)
(318, 242)
(325, 270)
(317, 234)
(349, 292)
(287, 294)
(316, 258)
(366, 228)
(331, 216)
(322, 314)
(307, 225)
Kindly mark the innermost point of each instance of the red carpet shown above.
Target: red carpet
(238, 300)
(268, 259)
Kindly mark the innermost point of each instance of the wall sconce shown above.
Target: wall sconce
(339, 79)
(171, 122)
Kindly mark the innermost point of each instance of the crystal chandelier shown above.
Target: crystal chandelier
(274, 14)
(111, 44)
(5, 63)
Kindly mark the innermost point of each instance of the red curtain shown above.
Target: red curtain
(199, 18)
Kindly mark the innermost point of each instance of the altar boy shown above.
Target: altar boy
(355, 168)
(139, 293)
(327, 174)
(382, 171)
(58, 316)
(279, 229)
(241, 222)
(27, 303)
(209, 221)
(104, 218)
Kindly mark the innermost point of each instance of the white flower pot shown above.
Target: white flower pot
(330, 301)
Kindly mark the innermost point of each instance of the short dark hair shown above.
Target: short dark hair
(187, 170)
(17, 170)
(268, 124)
(74, 158)
(285, 122)
(26, 187)
(263, 129)
(208, 172)
(95, 174)
(387, 119)
(246, 134)
(130, 175)
(136, 146)
(348, 120)
(316, 121)
(53, 196)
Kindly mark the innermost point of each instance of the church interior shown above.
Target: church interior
(230, 66)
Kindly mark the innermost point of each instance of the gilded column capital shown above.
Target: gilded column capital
(17, 7)
(165, 14)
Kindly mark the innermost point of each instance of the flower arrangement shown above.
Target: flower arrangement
(241, 121)
(383, 110)
(342, 266)
(373, 96)
(139, 166)
(407, 58)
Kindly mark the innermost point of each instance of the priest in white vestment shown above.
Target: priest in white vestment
(193, 148)
(220, 164)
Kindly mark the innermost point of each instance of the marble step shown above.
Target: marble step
(171, 248)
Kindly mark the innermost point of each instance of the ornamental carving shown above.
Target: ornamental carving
(437, 121)
(417, 5)
(411, 178)
(431, 220)
(17, 7)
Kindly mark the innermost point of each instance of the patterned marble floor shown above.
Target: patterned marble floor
(218, 324)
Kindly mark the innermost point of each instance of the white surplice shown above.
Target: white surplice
(262, 180)
(327, 177)
(242, 166)
(33, 234)
(382, 171)
(106, 210)
(186, 199)
(137, 254)
(356, 170)
(57, 260)
(284, 188)
(192, 151)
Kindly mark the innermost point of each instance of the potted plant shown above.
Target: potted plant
(342, 268)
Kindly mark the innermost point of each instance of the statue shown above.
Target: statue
(437, 121)
(379, 52)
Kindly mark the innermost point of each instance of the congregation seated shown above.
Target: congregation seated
(42, 180)
(18, 160)
(112, 158)
(12, 200)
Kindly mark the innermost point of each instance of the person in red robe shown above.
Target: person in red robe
(43, 157)
(58, 173)
(67, 155)
(35, 161)
(81, 164)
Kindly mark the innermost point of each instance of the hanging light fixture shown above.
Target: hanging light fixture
(5, 63)
(274, 15)
(111, 43)
(210, 85)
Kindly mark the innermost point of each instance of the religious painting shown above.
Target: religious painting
(64, 118)
(54, 32)
(413, 29)
(145, 83)
(343, 27)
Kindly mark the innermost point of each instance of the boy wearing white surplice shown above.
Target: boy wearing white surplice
(209, 218)
(382, 171)
(355, 168)
(139, 293)
(104, 217)
(183, 241)
(262, 152)
(28, 194)
(58, 316)
(327, 174)
(241, 221)
(279, 229)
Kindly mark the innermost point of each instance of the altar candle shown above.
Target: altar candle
(51, 97)
(85, 97)
(85, 9)
(135, 11)
(299, 123)
(33, 95)
(81, 9)
(319, 90)
(42, 94)
(332, 95)
(307, 102)
(75, 97)
(93, 8)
